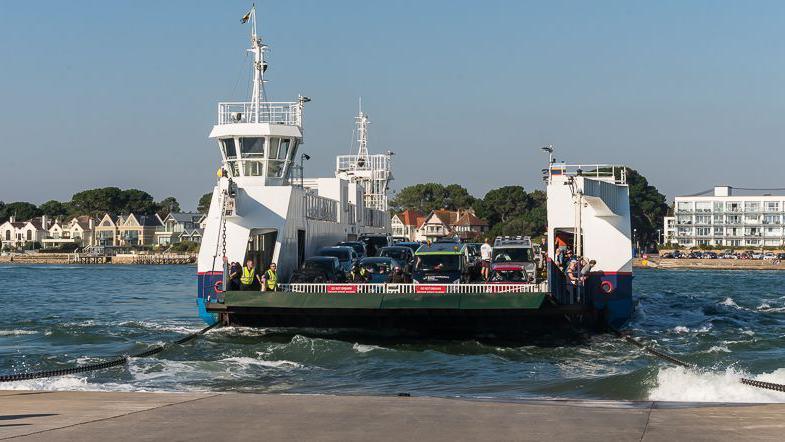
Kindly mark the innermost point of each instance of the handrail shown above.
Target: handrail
(413, 288)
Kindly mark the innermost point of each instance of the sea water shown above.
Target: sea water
(730, 323)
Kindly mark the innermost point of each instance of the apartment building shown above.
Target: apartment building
(727, 217)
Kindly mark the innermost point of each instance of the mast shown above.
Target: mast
(361, 123)
(259, 67)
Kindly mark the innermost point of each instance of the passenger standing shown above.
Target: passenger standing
(397, 276)
(270, 279)
(235, 271)
(586, 269)
(486, 251)
(249, 277)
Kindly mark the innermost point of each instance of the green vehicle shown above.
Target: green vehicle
(441, 263)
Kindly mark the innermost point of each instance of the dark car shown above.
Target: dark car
(404, 255)
(441, 263)
(319, 269)
(379, 268)
(374, 242)
(709, 255)
(780, 256)
(410, 244)
(346, 255)
(667, 256)
(358, 247)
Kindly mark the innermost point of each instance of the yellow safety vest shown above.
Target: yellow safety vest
(272, 279)
(247, 277)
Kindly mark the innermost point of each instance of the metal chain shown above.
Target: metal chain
(102, 365)
(676, 361)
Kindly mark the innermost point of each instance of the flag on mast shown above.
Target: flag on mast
(247, 16)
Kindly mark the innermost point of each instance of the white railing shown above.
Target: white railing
(414, 288)
(289, 113)
(320, 208)
(609, 172)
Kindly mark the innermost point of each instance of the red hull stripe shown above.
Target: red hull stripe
(210, 273)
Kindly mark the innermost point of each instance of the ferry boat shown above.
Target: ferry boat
(259, 210)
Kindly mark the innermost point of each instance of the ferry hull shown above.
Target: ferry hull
(451, 316)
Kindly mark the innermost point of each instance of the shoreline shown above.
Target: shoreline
(70, 258)
(707, 264)
(91, 416)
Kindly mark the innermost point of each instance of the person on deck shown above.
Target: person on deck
(249, 277)
(485, 256)
(586, 269)
(358, 275)
(235, 271)
(397, 276)
(270, 279)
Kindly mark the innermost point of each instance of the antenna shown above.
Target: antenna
(361, 124)
(260, 66)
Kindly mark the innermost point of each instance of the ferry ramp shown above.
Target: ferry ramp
(99, 416)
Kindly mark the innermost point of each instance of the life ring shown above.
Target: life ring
(215, 286)
(606, 287)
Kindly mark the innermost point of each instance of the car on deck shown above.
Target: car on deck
(403, 255)
(374, 242)
(379, 268)
(410, 244)
(513, 259)
(441, 263)
(346, 255)
(358, 247)
(319, 269)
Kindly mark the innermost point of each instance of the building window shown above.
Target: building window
(734, 219)
(29, 235)
(703, 231)
(718, 206)
(772, 206)
(8, 235)
(733, 206)
(703, 206)
(702, 219)
(718, 231)
(684, 219)
(752, 206)
(684, 206)
(771, 219)
(751, 219)
(717, 219)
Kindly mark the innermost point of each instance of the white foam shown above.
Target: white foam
(363, 348)
(729, 302)
(719, 349)
(681, 384)
(245, 361)
(66, 383)
(681, 329)
(17, 332)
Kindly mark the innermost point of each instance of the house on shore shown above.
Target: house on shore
(405, 223)
(462, 224)
(79, 231)
(27, 234)
(138, 230)
(178, 227)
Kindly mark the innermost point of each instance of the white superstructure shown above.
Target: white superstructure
(257, 211)
(728, 217)
(589, 213)
(373, 172)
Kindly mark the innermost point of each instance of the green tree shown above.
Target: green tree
(647, 208)
(21, 210)
(203, 206)
(432, 196)
(96, 202)
(167, 206)
(138, 202)
(54, 209)
(503, 204)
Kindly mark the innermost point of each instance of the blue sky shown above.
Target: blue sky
(690, 93)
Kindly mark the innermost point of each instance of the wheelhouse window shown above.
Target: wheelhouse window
(252, 147)
(229, 148)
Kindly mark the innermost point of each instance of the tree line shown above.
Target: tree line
(511, 210)
(93, 202)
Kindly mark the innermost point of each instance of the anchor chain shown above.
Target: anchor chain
(665, 356)
(102, 365)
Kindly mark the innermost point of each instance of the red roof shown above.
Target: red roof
(411, 217)
(470, 219)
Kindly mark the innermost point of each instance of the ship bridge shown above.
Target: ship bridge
(258, 139)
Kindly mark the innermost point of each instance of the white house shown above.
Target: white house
(405, 223)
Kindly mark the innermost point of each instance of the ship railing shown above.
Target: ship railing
(382, 288)
(607, 172)
(288, 113)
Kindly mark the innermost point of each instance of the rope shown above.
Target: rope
(102, 365)
(679, 362)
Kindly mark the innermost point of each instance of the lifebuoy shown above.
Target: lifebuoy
(606, 287)
(216, 288)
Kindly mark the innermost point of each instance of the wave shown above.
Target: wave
(17, 332)
(246, 362)
(681, 384)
